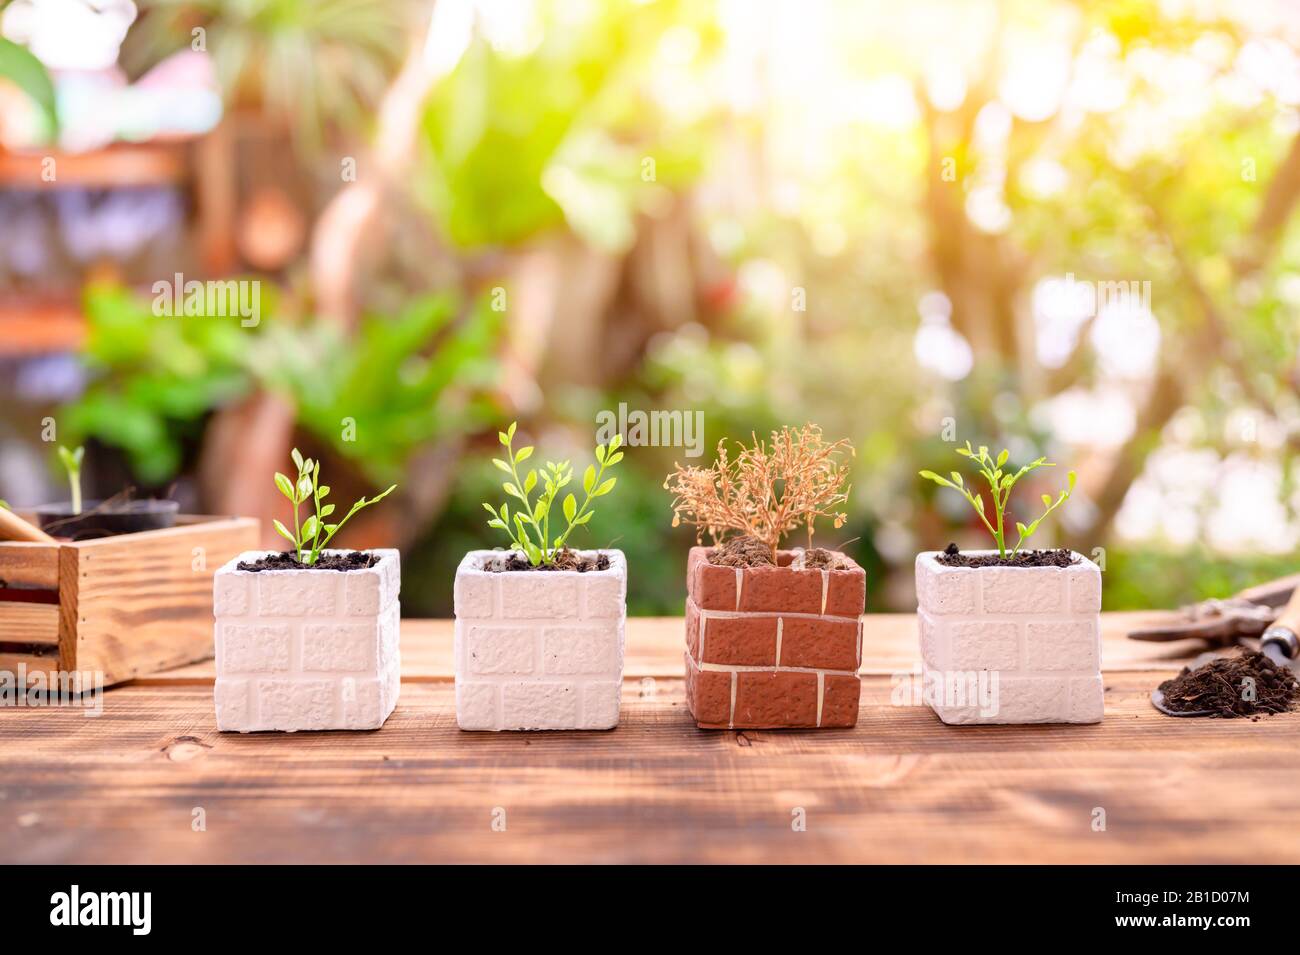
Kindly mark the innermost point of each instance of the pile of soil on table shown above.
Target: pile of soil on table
(743, 551)
(353, 560)
(564, 560)
(1218, 686)
(1058, 557)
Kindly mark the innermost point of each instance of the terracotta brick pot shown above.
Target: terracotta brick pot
(772, 647)
(1011, 644)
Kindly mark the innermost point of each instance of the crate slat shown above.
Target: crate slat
(24, 564)
(34, 623)
(141, 603)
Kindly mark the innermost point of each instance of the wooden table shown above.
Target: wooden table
(131, 784)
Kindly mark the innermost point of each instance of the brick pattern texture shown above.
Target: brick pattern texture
(307, 649)
(772, 647)
(539, 650)
(1038, 628)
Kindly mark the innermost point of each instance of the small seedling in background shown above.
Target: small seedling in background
(1000, 485)
(72, 464)
(529, 526)
(313, 535)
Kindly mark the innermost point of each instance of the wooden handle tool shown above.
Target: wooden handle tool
(1281, 641)
(14, 528)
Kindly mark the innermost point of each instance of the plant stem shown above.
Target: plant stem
(528, 507)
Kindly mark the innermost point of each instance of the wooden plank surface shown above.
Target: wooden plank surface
(128, 785)
(143, 602)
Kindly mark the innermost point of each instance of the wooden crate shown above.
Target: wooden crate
(121, 606)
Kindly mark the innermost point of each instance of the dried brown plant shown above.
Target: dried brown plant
(768, 490)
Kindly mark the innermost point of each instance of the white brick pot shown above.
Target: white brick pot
(307, 649)
(1022, 643)
(539, 650)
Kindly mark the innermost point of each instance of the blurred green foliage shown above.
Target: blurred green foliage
(312, 65)
(25, 71)
(154, 381)
(563, 130)
(413, 379)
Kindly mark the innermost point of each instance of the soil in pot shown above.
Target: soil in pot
(819, 558)
(741, 552)
(1218, 687)
(106, 518)
(1057, 557)
(287, 560)
(564, 560)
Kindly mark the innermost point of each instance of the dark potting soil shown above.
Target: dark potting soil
(742, 552)
(1059, 557)
(1217, 686)
(353, 560)
(564, 560)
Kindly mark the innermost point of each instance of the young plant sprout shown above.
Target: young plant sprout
(529, 525)
(313, 535)
(1000, 484)
(768, 490)
(72, 464)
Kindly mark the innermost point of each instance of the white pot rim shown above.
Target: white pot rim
(471, 563)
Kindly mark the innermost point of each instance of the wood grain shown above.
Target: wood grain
(24, 564)
(900, 787)
(143, 602)
(29, 623)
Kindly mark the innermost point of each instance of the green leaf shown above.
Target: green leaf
(530, 482)
(284, 532)
(1047, 500)
(570, 508)
(956, 479)
(523, 454)
(931, 476)
(379, 497)
(297, 458)
(323, 490)
(503, 438)
(284, 484)
(497, 522)
(501, 465)
(605, 487)
(510, 432)
(600, 453)
(588, 479)
(25, 71)
(327, 510)
(1002, 458)
(583, 519)
(613, 459)
(511, 489)
(616, 442)
(309, 527)
(490, 509)
(1072, 477)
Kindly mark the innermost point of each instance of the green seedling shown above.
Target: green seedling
(1000, 484)
(312, 536)
(72, 464)
(529, 525)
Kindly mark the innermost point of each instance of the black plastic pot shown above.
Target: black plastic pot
(105, 518)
